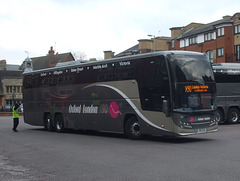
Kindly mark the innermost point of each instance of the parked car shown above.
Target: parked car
(6, 108)
(21, 108)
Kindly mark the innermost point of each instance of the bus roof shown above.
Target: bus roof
(226, 66)
(87, 63)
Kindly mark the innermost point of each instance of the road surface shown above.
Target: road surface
(33, 154)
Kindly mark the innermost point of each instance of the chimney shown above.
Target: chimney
(146, 45)
(226, 17)
(108, 54)
(3, 64)
(51, 55)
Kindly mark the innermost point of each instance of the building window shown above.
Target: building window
(237, 52)
(209, 54)
(192, 40)
(208, 36)
(236, 29)
(13, 89)
(9, 89)
(220, 52)
(220, 31)
(173, 44)
(18, 89)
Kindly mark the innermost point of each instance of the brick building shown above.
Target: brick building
(10, 84)
(220, 40)
(51, 59)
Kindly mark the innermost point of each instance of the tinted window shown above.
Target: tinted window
(189, 68)
(222, 77)
(153, 83)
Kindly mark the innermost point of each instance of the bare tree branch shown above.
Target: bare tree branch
(78, 55)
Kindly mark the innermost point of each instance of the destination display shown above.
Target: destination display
(196, 88)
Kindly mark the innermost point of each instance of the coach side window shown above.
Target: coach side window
(153, 83)
(233, 77)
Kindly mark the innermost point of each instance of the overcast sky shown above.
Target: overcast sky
(93, 26)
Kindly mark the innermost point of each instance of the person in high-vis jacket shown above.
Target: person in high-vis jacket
(15, 115)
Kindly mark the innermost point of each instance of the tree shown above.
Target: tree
(78, 55)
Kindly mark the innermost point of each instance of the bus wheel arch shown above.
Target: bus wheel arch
(132, 127)
(59, 123)
(233, 115)
(48, 122)
(220, 115)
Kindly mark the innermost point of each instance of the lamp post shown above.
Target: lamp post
(154, 44)
(13, 95)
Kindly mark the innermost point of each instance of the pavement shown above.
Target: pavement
(8, 114)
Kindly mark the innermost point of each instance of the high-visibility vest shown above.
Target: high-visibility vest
(15, 113)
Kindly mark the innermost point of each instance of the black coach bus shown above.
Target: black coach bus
(227, 76)
(163, 93)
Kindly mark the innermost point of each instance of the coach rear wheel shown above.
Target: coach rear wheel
(132, 128)
(233, 116)
(48, 123)
(59, 123)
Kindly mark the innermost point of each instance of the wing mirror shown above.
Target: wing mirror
(166, 108)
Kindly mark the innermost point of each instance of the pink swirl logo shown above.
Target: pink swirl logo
(114, 110)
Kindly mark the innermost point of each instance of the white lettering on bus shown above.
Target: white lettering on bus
(58, 72)
(79, 69)
(100, 66)
(83, 109)
(124, 63)
(43, 74)
(90, 109)
(75, 109)
(204, 119)
(73, 70)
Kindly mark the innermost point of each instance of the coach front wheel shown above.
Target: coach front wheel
(132, 128)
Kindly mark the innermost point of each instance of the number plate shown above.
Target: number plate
(204, 130)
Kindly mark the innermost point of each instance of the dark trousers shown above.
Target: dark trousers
(15, 123)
